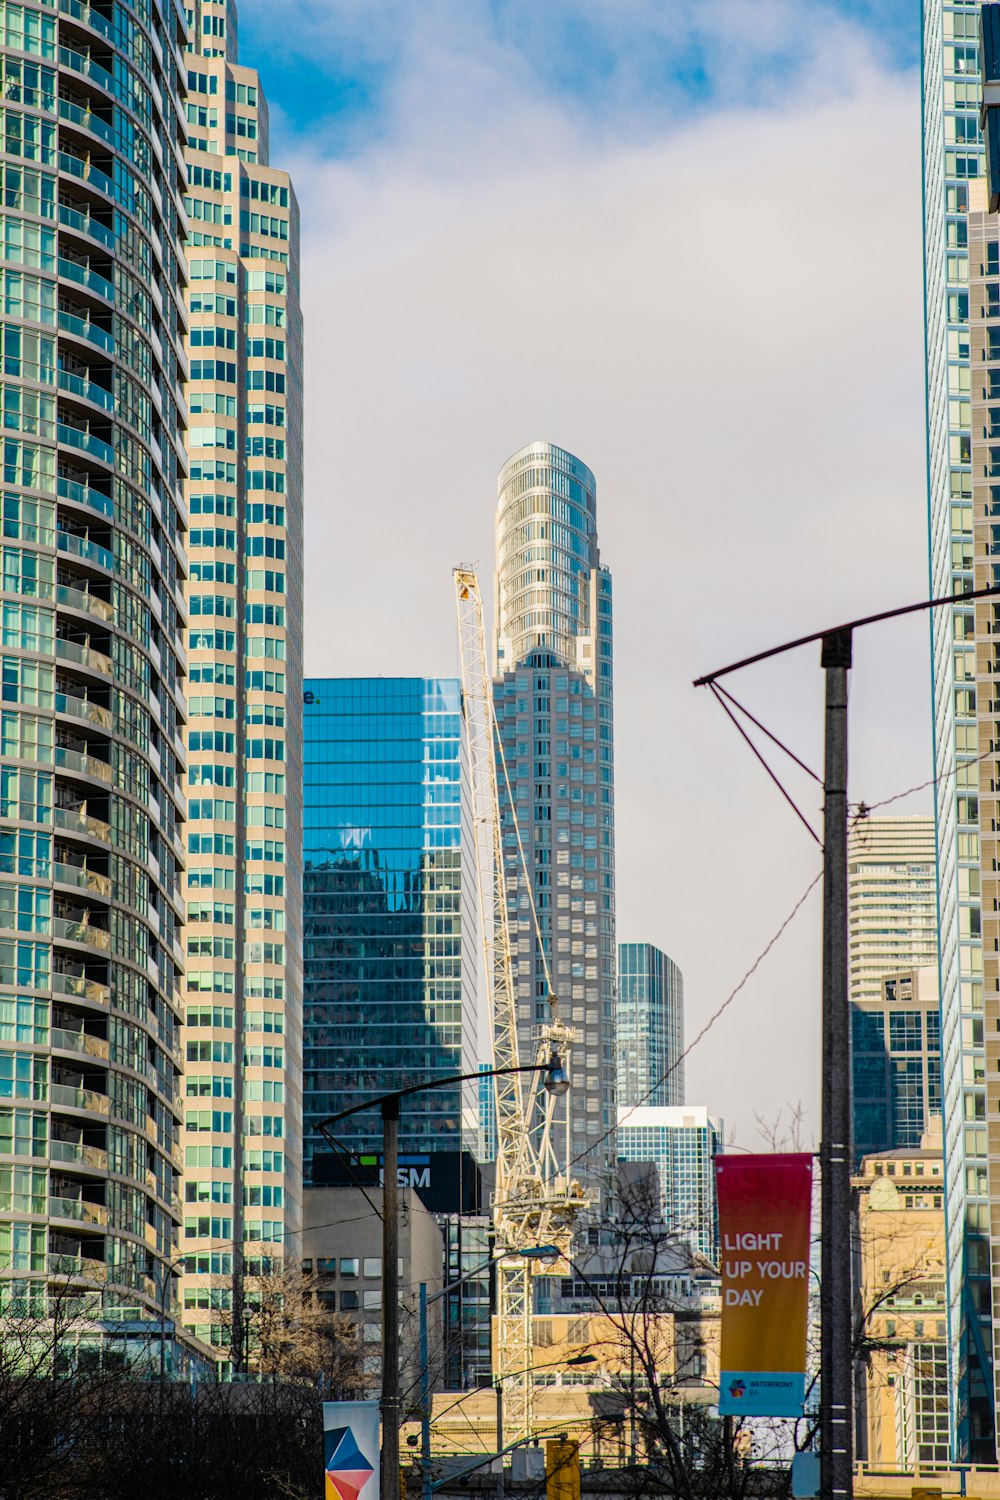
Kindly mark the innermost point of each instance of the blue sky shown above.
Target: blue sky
(680, 238)
(632, 65)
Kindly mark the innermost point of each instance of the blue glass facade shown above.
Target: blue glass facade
(683, 1143)
(384, 923)
(650, 1027)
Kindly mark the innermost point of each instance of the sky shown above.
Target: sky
(681, 240)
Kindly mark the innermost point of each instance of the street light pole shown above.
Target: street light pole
(389, 1475)
(556, 1082)
(836, 1309)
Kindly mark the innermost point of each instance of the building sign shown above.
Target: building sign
(350, 1450)
(447, 1182)
(764, 1212)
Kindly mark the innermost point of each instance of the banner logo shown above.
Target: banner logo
(350, 1449)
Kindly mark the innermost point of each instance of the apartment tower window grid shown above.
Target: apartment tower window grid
(242, 1037)
(93, 523)
(650, 1027)
(683, 1143)
(891, 899)
(554, 706)
(952, 161)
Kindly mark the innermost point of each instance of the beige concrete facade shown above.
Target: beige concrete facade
(892, 900)
(342, 1245)
(901, 1221)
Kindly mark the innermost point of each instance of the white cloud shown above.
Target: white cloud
(722, 318)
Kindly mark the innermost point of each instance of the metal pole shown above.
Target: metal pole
(499, 1390)
(425, 1397)
(836, 1308)
(389, 1486)
(164, 1285)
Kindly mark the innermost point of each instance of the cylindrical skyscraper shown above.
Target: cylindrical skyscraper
(91, 852)
(553, 693)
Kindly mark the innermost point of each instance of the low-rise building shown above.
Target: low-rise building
(342, 1245)
(904, 1416)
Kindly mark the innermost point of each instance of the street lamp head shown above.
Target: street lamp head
(583, 1359)
(541, 1252)
(556, 1077)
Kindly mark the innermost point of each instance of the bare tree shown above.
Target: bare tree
(292, 1333)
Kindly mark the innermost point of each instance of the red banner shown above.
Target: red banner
(764, 1217)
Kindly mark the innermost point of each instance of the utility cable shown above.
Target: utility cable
(711, 1020)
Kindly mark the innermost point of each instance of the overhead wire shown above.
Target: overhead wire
(711, 1020)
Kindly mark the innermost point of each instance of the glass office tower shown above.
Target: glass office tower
(242, 1037)
(650, 1027)
(91, 821)
(683, 1143)
(952, 161)
(388, 924)
(554, 703)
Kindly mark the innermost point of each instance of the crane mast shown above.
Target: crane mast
(535, 1202)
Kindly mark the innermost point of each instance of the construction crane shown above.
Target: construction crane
(535, 1202)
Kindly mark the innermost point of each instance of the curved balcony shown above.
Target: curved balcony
(68, 1096)
(87, 16)
(85, 442)
(82, 764)
(82, 328)
(82, 494)
(78, 1268)
(81, 932)
(86, 603)
(86, 390)
(79, 1210)
(84, 656)
(92, 281)
(71, 821)
(79, 1042)
(91, 552)
(82, 879)
(78, 62)
(78, 1155)
(82, 708)
(75, 166)
(71, 218)
(85, 119)
(81, 987)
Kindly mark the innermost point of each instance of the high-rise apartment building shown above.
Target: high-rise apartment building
(891, 899)
(952, 162)
(389, 921)
(682, 1143)
(650, 1027)
(91, 811)
(242, 1035)
(554, 707)
(896, 1062)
